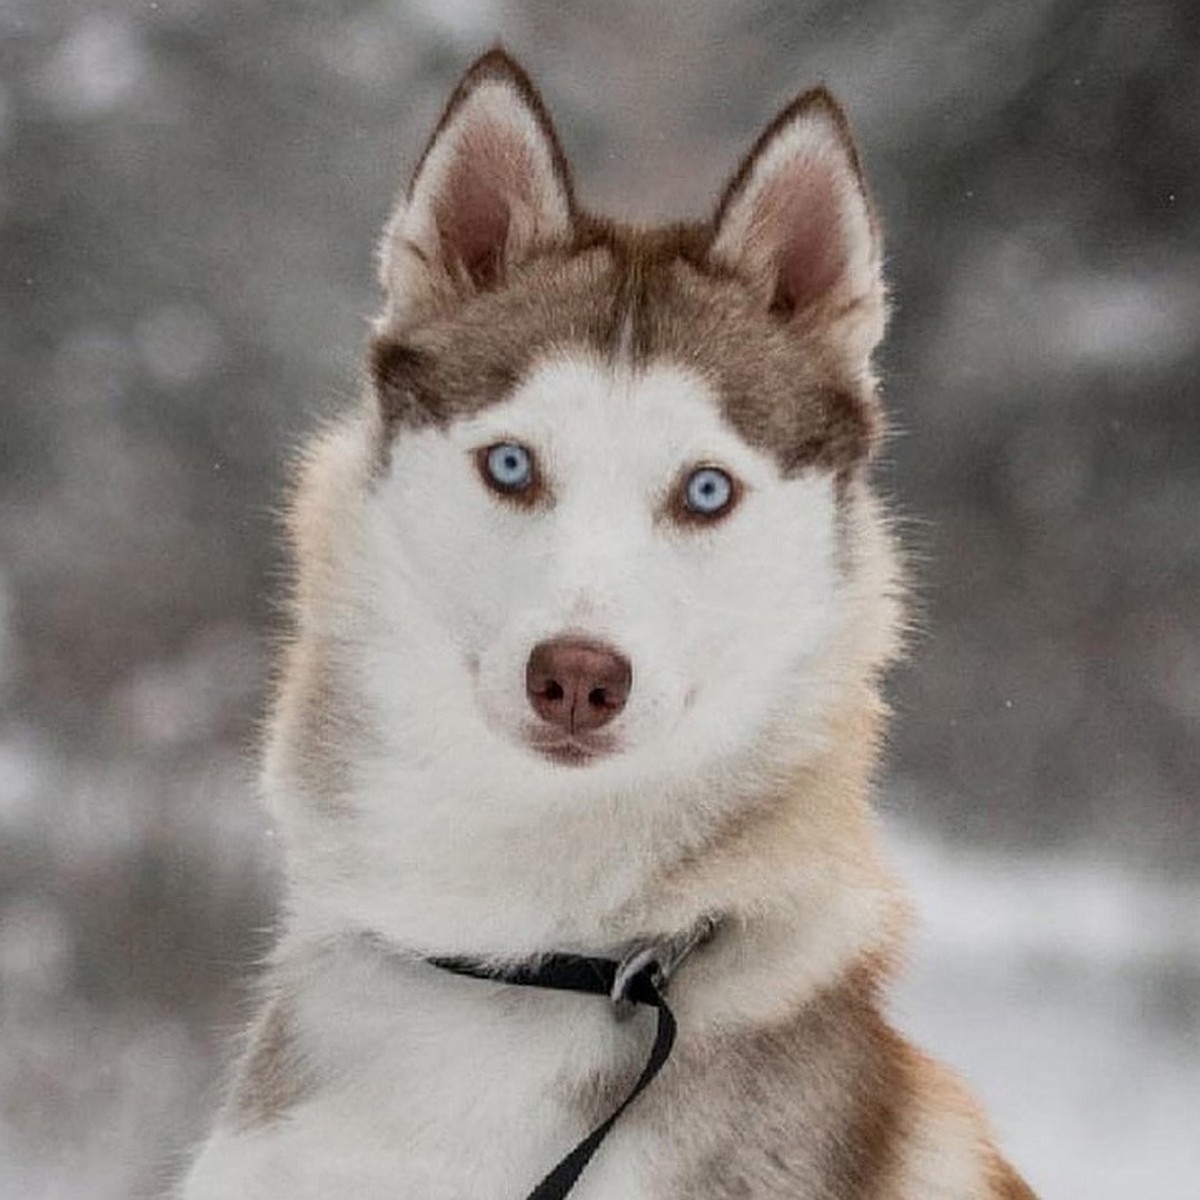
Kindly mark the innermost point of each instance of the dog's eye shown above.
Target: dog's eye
(507, 467)
(708, 492)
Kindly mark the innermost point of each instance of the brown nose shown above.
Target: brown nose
(577, 685)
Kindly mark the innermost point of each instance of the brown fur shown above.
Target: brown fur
(490, 307)
(787, 395)
(809, 1107)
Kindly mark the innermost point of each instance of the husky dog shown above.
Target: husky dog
(591, 603)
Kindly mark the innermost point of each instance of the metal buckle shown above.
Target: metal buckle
(665, 957)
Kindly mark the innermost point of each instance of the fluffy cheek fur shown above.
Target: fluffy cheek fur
(724, 624)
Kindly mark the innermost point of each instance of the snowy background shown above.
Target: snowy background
(189, 195)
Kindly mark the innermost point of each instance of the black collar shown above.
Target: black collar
(622, 980)
(640, 977)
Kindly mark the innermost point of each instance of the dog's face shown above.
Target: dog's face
(614, 523)
(615, 567)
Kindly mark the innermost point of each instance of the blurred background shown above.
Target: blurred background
(190, 191)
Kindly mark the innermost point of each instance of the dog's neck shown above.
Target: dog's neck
(793, 871)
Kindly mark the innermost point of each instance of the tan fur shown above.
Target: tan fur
(271, 1078)
(312, 712)
(816, 826)
(1005, 1184)
(324, 728)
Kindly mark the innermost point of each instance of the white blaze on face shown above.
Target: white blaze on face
(719, 621)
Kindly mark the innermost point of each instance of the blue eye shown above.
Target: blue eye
(509, 467)
(708, 492)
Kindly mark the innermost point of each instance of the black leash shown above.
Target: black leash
(638, 979)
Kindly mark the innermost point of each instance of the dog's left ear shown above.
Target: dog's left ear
(795, 222)
(492, 187)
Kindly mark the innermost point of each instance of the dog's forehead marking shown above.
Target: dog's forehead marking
(634, 303)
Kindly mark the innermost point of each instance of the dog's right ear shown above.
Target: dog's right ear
(492, 187)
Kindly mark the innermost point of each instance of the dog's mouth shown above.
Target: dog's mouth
(572, 750)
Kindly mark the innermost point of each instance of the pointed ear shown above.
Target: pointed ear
(796, 223)
(491, 187)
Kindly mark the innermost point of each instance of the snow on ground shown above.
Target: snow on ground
(1068, 993)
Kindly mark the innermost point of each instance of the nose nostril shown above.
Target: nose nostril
(598, 697)
(553, 690)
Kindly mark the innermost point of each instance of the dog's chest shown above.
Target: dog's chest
(456, 1088)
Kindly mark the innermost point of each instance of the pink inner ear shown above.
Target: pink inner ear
(489, 176)
(800, 216)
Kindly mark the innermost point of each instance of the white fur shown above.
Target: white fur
(432, 1090)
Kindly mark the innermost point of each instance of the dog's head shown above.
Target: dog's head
(616, 521)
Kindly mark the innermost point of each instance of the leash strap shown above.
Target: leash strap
(595, 977)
